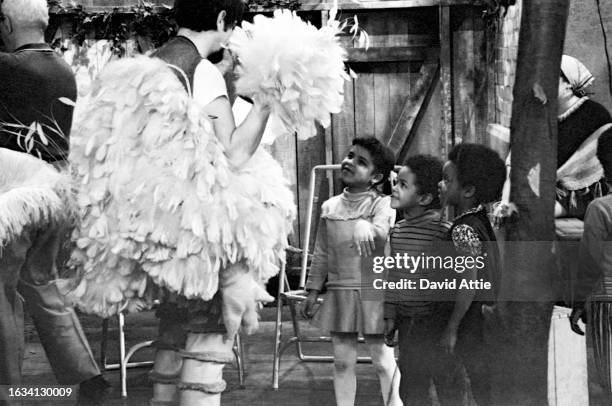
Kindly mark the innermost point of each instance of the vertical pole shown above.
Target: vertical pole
(527, 280)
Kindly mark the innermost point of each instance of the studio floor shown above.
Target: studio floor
(301, 383)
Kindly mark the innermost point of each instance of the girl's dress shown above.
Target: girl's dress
(351, 305)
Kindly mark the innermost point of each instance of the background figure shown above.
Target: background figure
(580, 119)
(32, 79)
(580, 122)
(594, 276)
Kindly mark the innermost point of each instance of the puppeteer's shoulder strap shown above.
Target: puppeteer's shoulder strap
(183, 57)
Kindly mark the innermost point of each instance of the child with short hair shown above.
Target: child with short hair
(419, 315)
(472, 177)
(352, 230)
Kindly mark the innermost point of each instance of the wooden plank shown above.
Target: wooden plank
(399, 91)
(96, 6)
(378, 24)
(381, 100)
(343, 127)
(283, 151)
(329, 149)
(463, 76)
(386, 54)
(403, 129)
(480, 78)
(446, 139)
(309, 153)
(365, 108)
(395, 39)
(378, 4)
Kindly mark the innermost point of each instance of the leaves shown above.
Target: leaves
(67, 101)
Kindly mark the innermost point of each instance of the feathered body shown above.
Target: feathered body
(32, 194)
(158, 199)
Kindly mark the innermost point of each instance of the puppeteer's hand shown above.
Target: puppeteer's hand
(577, 314)
(363, 238)
(307, 309)
(241, 295)
(228, 63)
(390, 329)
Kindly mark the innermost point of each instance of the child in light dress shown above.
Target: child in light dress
(352, 231)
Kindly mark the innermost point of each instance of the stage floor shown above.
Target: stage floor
(301, 383)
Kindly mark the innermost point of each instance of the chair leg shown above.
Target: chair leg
(122, 360)
(239, 360)
(103, 342)
(277, 339)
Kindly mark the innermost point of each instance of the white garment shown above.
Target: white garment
(208, 83)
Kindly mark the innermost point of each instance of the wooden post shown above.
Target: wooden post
(446, 139)
(527, 277)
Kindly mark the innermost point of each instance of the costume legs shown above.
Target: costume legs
(191, 351)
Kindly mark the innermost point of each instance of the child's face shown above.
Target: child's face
(405, 193)
(449, 188)
(358, 170)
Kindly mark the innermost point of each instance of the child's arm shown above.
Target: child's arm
(466, 243)
(367, 232)
(318, 269)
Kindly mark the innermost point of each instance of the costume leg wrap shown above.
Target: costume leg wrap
(168, 362)
(201, 380)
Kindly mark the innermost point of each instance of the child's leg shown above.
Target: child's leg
(383, 360)
(345, 358)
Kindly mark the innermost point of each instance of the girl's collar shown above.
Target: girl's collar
(352, 196)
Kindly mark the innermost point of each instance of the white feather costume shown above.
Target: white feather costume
(158, 199)
(32, 194)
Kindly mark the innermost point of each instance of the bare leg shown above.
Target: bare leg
(383, 360)
(345, 359)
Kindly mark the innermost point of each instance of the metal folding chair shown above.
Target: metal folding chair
(124, 358)
(294, 297)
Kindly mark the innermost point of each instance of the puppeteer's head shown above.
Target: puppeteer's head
(209, 15)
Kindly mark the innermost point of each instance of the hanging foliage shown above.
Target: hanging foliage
(150, 24)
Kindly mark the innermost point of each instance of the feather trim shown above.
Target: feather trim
(32, 194)
(292, 66)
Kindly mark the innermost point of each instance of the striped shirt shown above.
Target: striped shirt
(420, 236)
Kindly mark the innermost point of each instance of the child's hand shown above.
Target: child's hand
(449, 340)
(390, 329)
(363, 238)
(308, 305)
(577, 314)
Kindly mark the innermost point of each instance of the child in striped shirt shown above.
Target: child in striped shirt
(418, 314)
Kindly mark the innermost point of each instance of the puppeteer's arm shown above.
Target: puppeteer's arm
(240, 142)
